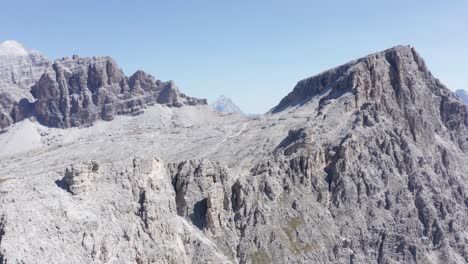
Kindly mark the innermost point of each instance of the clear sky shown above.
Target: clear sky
(251, 51)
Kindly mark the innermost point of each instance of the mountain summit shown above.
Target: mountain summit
(365, 78)
(363, 163)
(225, 105)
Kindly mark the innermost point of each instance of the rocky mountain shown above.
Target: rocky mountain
(19, 70)
(77, 91)
(225, 105)
(463, 95)
(363, 163)
(83, 90)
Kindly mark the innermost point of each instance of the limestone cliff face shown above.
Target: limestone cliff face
(77, 91)
(7, 103)
(83, 90)
(398, 166)
(394, 84)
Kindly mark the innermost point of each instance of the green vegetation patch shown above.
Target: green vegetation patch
(295, 246)
(260, 257)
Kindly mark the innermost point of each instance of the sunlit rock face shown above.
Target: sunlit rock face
(83, 90)
(75, 91)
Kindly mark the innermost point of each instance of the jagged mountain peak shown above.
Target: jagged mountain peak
(393, 85)
(348, 77)
(224, 104)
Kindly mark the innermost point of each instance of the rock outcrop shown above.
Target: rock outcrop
(7, 104)
(201, 187)
(80, 177)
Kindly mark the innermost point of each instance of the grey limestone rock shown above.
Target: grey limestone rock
(83, 90)
(80, 178)
(75, 91)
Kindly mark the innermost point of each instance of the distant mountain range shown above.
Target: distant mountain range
(463, 95)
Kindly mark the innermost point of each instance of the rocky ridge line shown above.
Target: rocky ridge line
(77, 91)
(83, 90)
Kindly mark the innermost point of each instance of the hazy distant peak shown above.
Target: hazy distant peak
(12, 48)
(225, 105)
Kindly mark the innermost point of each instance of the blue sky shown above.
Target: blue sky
(251, 51)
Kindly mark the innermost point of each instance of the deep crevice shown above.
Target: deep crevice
(381, 245)
(198, 216)
(142, 209)
(3, 260)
